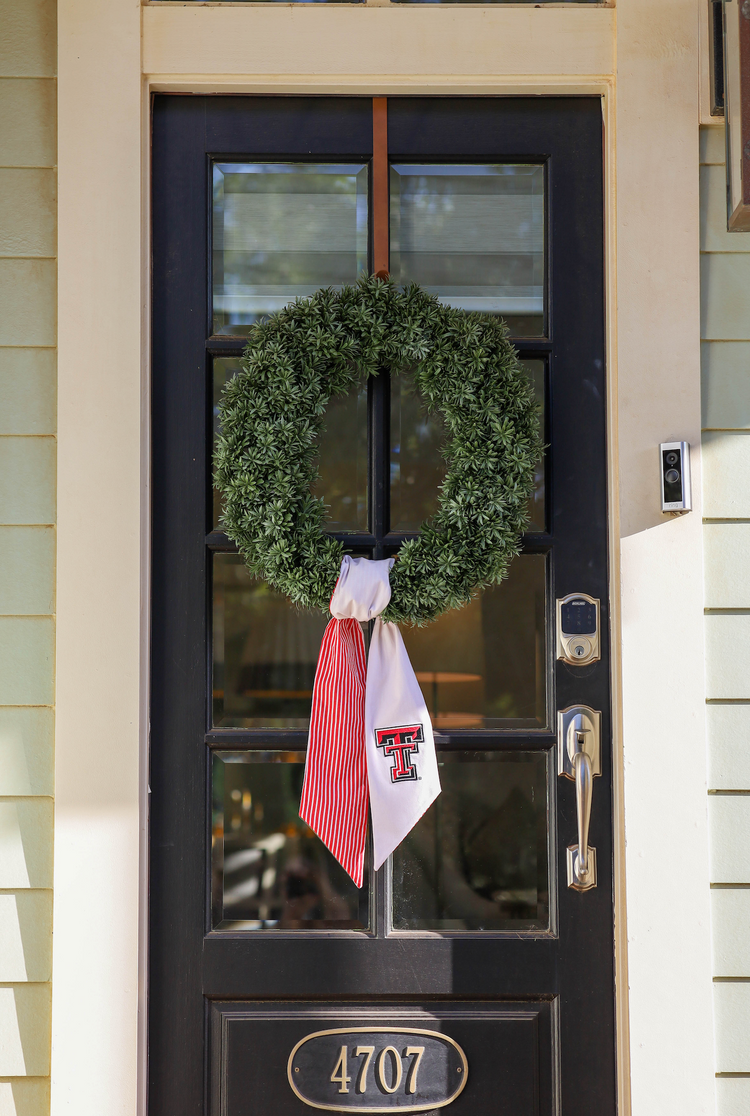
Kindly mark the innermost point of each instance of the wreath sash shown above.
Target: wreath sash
(370, 731)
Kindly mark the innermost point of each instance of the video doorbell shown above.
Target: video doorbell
(676, 496)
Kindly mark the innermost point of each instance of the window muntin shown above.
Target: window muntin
(535, 3)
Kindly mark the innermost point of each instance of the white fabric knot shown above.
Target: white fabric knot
(363, 589)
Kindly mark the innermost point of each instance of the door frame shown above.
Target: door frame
(178, 49)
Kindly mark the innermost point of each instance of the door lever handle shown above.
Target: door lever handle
(582, 857)
(579, 758)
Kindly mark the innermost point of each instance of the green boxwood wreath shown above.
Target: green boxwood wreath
(271, 415)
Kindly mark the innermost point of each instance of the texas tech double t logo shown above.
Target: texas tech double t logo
(400, 743)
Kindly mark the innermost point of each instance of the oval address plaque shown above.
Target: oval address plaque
(377, 1069)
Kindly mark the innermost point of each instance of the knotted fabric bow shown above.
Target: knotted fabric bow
(370, 732)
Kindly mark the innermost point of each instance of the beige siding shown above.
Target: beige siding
(730, 911)
(728, 751)
(727, 656)
(24, 1096)
(733, 1096)
(726, 474)
(27, 546)
(729, 820)
(725, 295)
(29, 39)
(732, 1007)
(28, 297)
(725, 375)
(727, 565)
(28, 391)
(27, 212)
(725, 329)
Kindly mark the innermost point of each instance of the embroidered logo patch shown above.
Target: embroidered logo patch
(401, 743)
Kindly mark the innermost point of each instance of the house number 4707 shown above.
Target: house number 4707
(389, 1069)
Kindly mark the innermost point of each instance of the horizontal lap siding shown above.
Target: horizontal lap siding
(725, 348)
(28, 326)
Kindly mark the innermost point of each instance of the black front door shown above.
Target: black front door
(467, 973)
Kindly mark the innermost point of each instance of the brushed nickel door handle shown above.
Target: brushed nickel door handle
(579, 759)
(582, 857)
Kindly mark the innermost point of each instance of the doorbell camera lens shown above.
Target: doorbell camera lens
(671, 476)
(672, 458)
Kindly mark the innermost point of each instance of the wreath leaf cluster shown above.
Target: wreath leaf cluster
(271, 416)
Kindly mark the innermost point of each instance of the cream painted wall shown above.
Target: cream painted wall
(725, 329)
(663, 719)
(100, 688)
(28, 247)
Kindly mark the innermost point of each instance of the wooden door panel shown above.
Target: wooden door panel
(508, 1050)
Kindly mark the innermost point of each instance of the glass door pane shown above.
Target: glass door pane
(264, 651)
(478, 859)
(481, 666)
(281, 231)
(269, 870)
(474, 236)
(342, 457)
(484, 665)
(417, 465)
(342, 462)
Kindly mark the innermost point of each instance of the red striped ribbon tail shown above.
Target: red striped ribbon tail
(334, 794)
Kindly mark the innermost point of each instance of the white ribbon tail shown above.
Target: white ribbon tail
(401, 760)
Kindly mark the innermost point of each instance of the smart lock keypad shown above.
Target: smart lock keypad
(578, 629)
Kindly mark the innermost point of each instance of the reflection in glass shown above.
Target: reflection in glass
(280, 231)
(483, 665)
(417, 465)
(480, 666)
(265, 651)
(478, 858)
(342, 461)
(474, 236)
(269, 870)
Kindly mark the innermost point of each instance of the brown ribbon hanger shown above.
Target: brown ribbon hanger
(380, 262)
